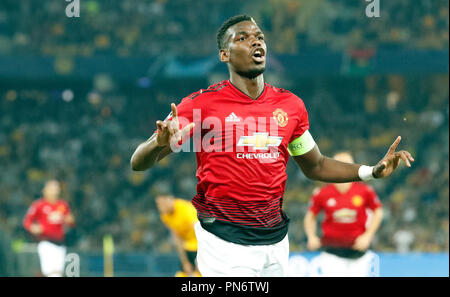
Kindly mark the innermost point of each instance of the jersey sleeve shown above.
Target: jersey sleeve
(67, 212)
(301, 140)
(315, 205)
(373, 201)
(30, 216)
(66, 208)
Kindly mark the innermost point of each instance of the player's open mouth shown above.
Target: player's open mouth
(259, 55)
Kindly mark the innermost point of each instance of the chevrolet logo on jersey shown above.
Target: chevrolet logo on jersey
(345, 216)
(260, 141)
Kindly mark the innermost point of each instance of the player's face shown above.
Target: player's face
(246, 51)
(52, 190)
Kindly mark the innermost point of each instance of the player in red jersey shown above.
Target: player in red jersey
(243, 132)
(45, 220)
(346, 230)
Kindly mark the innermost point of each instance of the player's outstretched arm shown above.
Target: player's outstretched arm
(318, 167)
(159, 144)
(310, 224)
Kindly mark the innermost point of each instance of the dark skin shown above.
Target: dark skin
(243, 40)
(244, 54)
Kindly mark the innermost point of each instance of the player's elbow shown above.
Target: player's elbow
(310, 217)
(26, 224)
(309, 175)
(379, 213)
(312, 174)
(137, 165)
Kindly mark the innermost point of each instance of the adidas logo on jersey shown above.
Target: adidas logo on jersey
(232, 118)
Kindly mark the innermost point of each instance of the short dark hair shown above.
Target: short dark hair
(227, 24)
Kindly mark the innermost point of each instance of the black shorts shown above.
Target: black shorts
(344, 252)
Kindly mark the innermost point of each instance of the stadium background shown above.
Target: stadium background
(77, 95)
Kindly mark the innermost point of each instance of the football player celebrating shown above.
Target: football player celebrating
(245, 131)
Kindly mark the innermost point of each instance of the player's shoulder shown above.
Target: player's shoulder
(316, 191)
(287, 95)
(38, 202)
(63, 202)
(179, 201)
(182, 203)
(362, 186)
(328, 189)
(321, 190)
(280, 92)
(36, 205)
(208, 92)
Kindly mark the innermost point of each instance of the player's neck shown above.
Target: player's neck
(343, 188)
(251, 87)
(51, 200)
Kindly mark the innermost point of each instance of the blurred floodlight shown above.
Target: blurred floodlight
(11, 95)
(103, 82)
(67, 95)
(94, 98)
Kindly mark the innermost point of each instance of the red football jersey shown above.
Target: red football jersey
(345, 213)
(241, 150)
(50, 216)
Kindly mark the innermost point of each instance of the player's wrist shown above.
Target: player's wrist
(160, 143)
(369, 234)
(313, 237)
(365, 173)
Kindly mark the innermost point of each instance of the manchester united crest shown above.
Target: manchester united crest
(280, 117)
(357, 200)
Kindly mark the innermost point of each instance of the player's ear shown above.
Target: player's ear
(224, 55)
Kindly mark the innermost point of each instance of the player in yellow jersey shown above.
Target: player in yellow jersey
(180, 217)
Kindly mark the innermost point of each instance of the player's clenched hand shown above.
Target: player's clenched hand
(36, 229)
(391, 160)
(314, 243)
(362, 242)
(169, 132)
(69, 219)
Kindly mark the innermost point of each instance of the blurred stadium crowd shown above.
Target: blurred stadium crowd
(85, 135)
(140, 28)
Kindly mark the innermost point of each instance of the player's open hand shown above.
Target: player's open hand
(391, 160)
(169, 132)
(314, 243)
